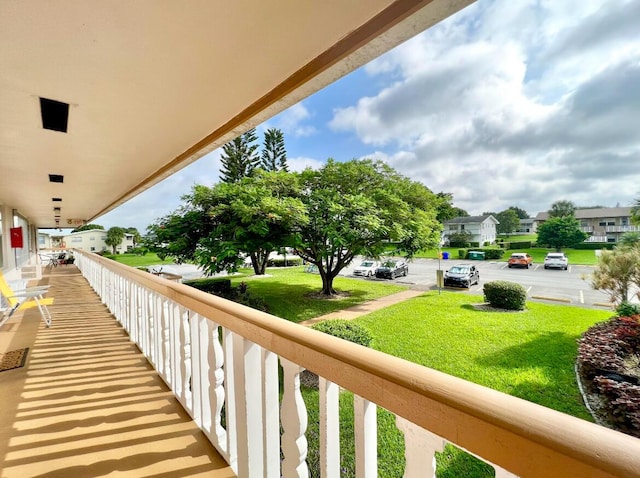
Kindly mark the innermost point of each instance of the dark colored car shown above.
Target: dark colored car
(392, 269)
(462, 275)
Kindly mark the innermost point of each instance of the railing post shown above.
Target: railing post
(366, 437)
(294, 423)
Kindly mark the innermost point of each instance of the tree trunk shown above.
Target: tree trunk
(254, 263)
(327, 282)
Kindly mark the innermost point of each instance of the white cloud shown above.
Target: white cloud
(301, 163)
(488, 106)
(291, 121)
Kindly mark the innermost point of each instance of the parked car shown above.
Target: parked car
(556, 260)
(520, 259)
(392, 269)
(462, 275)
(367, 268)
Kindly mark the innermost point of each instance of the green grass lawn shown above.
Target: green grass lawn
(287, 292)
(135, 260)
(528, 354)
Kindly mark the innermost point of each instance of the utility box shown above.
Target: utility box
(476, 255)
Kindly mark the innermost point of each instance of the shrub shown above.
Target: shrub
(222, 288)
(346, 330)
(294, 261)
(462, 253)
(604, 353)
(626, 309)
(212, 286)
(505, 295)
(517, 245)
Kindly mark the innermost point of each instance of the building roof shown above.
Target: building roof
(471, 220)
(593, 213)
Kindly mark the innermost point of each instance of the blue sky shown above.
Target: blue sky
(503, 104)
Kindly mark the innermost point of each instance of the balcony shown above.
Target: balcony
(622, 229)
(89, 401)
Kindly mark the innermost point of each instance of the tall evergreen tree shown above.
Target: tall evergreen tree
(274, 154)
(239, 158)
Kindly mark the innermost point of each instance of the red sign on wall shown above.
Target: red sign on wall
(16, 238)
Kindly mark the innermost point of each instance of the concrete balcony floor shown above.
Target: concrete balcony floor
(87, 403)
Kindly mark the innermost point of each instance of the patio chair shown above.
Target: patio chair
(15, 299)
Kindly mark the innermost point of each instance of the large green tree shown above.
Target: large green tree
(559, 232)
(445, 209)
(239, 157)
(521, 213)
(274, 154)
(218, 226)
(509, 221)
(562, 208)
(114, 238)
(357, 208)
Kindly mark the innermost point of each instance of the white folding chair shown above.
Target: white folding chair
(12, 299)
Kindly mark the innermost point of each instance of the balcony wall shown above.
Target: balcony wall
(217, 355)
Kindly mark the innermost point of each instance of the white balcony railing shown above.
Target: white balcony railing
(221, 359)
(622, 229)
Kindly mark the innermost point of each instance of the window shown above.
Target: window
(92, 238)
(602, 223)
(76, 239)
(611, 239)
(462, 227)
(93, 249)
(611, 223)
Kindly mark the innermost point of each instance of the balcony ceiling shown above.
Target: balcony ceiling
(154, 85)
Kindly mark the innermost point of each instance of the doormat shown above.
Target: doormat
(13, 359)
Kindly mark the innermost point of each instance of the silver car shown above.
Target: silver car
(556, 260)
(366, 268)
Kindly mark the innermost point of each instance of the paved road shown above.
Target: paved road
(569, 287)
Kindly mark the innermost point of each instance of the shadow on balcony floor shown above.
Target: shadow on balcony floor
(87, 403)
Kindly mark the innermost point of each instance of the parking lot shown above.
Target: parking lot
(572, 286)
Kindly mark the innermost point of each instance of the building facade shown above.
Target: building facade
(482, 228)
(606, 224)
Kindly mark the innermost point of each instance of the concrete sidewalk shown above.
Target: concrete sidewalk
(367, 307)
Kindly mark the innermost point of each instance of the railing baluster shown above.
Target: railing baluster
(420, 447)
(366, 437)
(329, 428)
(231, 413)
(271, 413)
(294, 423)
(249, 404)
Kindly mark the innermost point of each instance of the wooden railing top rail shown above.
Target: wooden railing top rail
(520, 436)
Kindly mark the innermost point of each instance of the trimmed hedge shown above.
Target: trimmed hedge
(490, 253)
(592, 246)
(346, 330)
(294, 261)
(517, 245)
(505, 295)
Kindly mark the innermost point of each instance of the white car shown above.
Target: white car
(367, 268)
(556, 260)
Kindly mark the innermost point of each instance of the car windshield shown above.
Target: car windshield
(517, 256)
(459, 270)
(366, 264)
(389, 264)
